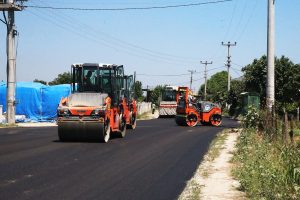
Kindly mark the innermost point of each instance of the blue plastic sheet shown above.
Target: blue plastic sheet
(36, 101)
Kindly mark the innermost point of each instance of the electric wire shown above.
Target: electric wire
(248, 21)
(231, 20)
(241, 18)
(163, 75)
(156, 53)
(70, 22)
(117, 48)
(128, 8)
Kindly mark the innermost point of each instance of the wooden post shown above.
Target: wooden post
(291, 133)
(285, 127)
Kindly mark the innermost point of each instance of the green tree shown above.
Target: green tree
(233, 97)
(138, 91)
(287, 81)
(64, 78)
(255, 77)
(216, 87)
(156, 93)
(40, 81)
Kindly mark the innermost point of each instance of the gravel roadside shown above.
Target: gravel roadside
(213, 179)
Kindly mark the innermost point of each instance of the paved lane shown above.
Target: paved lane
(152, 162)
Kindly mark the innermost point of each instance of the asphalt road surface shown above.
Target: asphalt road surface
(152, 162)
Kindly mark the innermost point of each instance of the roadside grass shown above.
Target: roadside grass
(7, 126)
(193, 193)
(213, 152)
(144, 116)
(216, 145)
(267, 169)
(192, 190)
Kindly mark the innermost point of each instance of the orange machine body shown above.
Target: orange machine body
(190, 112)
(98, 108)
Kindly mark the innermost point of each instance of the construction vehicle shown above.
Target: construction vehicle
(190, 112)
(168, 102)
(100, 104)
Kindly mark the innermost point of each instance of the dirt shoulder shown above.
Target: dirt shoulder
(213, 179)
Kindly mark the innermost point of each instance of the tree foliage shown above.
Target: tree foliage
(40, 81)
(156, 94)
(138, 91)
(287, 80)
(233, 97)
(216, 87)
(64, 78)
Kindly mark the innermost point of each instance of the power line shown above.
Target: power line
(214, 68)
(163, 74)
(249, 19)
(66, 22)
(117, 47)
(128, 8)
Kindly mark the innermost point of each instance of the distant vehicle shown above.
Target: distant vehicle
(168, 103)
(101, 104)
(189, 112)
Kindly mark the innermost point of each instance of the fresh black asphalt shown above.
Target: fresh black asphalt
(152, 162)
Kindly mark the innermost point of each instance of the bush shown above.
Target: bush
(251, 119)
(267, 170)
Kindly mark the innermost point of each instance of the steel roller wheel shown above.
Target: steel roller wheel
(84, 131)
(191, 120)
(216, 120)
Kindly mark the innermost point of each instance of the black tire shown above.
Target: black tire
(122, 127)
(132, 124)
(106, 132)
(180, 121)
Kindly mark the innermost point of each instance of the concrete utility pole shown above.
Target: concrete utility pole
(191, 81)
(271, 55)
(10, 7)
(205, 76)
(228, 61)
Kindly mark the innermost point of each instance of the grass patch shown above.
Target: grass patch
(267, 169)
(7, 126)
(146, 115)
(193, 192)
(216, 145)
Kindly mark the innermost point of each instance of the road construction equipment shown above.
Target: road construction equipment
(100, 104)
(168, 103)
(189, 111)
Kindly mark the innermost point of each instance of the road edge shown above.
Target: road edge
(213, 179)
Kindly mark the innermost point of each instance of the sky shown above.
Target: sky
(161, 45)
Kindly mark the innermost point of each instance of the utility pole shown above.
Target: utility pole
(205, 76)
(271, 55)
(228, 61)
(10, 7)
(191, 81)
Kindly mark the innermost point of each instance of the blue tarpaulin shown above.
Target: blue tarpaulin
(36, 101)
